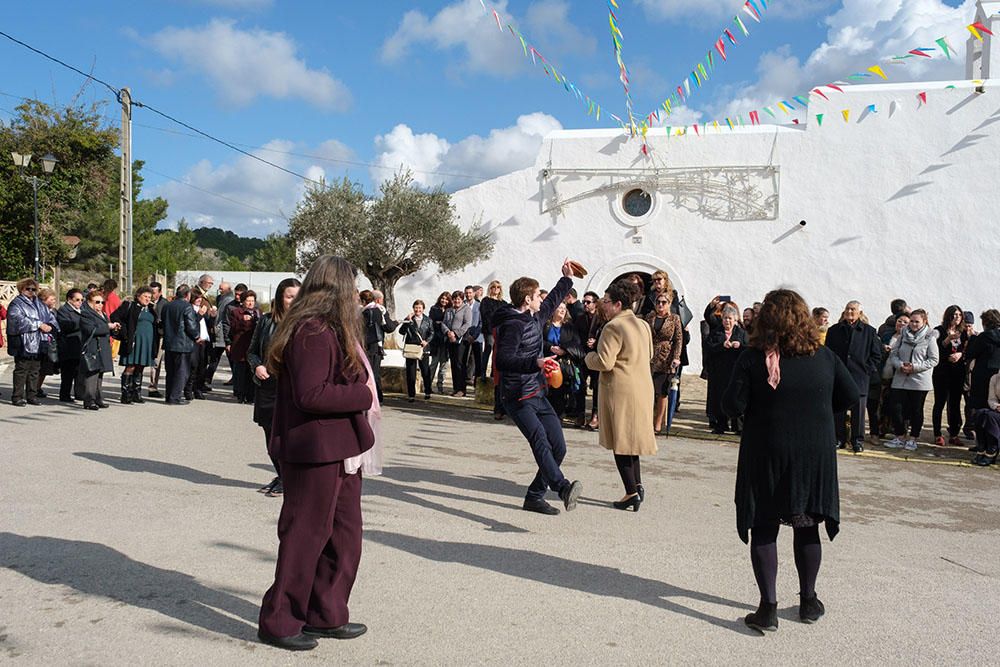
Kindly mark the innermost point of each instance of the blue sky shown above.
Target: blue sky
(334, 89)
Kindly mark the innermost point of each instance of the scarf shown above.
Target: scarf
(772, 359)
(369, 462)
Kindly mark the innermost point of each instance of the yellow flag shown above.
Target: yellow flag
(847, 115)
(975, 33)
(875, 69)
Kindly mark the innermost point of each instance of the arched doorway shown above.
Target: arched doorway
(642, 264)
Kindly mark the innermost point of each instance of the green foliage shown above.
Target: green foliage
(170, 251)
(229, 243)
(277, 254)
(396, 234)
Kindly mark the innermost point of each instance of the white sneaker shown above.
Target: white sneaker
(910, 445)
(895, 443)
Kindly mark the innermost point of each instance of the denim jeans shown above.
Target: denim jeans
(539, 424)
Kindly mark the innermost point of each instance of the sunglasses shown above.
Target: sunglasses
(589, 301)
(662, 303)
(95, 301)
(30, 289)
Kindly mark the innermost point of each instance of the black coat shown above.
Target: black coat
(859, 348)
(127, 315)
(518, 345)
(377, 324)
(788, 452)
(180, 326)
(96, 336)
(415, 335)
(719, 364)
(487, 307)
(569, 341)
(984, 350)
(70, 342)
(263, 398)
(439, 341)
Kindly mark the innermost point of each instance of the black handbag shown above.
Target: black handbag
(90, 361)
(53, 351)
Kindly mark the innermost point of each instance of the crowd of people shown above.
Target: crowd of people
(790, 383)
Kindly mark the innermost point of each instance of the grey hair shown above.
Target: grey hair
(854, 303)
(376, 295)
(729, 310)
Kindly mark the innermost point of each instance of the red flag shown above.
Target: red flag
(918, 52)
(754, 118)
(981, 28)
(821, 94)
(721, 48)
(795, 121)
(923, 98)
(837, 88)
(730, 36)
(696, 129)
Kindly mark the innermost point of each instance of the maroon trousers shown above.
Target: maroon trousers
(319, 531)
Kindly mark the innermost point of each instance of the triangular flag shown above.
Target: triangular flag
(795, 121)
(715, 124)
(821, 94)
(871, 108)
(751, 12)
(721, 48)
(770, 111)
(729, 35)
(801, 100)
(756, 8)
(754, 118)
(696, 129)
(739, 22)
(875, 69)
(945, 46)
(923, 99)
(920, 52)
(847, 115)
(819, 119)
(729, 123)
(781, 105)
(977, 28)
(837, 88)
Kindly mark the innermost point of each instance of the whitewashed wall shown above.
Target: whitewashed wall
(897, 205)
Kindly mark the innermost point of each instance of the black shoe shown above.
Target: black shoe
(810, 609)
(198, 396)
(345, 631)
(539, 506)
(41, 394)
(180, 401)
(299, 642)
(102, 405)
(411, 400)
(427, 397)
(267, 487)
(153, 393)
(276, 489)
(19, 404)
(841, 445)
(34, 401)
(206, 389)
(632, 501)
(977, 448)
(984, 460)
(188, 395)
(227, 383)
(641, 491)
(765, 619)
(719, 431)
(67, 399)
(137, 397)
(570, 495)
(858, 447)
(92, 406)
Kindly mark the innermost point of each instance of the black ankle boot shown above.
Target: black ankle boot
(810, 609)
(126, 397)
(765, 619)
(136, 388)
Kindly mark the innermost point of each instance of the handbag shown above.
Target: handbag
(90, 360)
(53, 350)
(684, 312)
(414, 350)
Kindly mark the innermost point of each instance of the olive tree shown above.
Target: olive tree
(395, 234)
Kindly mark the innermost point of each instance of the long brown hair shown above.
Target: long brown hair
(784, 322)
(328, 296)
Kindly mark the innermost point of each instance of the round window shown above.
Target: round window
(637, 203)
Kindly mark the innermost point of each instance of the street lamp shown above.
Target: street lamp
(48, 164)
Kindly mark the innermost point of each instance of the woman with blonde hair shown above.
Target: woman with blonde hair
(787, 387)
(488, 306)
(319, 429)
(668, 341)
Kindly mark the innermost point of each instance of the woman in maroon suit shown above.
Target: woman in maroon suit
(242, 321)
(319, 422)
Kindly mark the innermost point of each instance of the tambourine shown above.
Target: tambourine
(553, 374)
(577, 269)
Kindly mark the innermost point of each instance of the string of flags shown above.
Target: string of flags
(592, 107)
(700, 74)
(616, 39)
(801, 102)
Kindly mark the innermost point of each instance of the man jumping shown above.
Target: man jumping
(522, 386)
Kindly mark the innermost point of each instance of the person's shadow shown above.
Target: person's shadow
(99, 570)
(565, 573)
(164, 469)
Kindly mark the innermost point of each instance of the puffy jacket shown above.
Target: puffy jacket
(518, 345)
(921, 350)
(24, 317)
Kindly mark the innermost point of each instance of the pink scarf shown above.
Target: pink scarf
(369, 462)
(772, 359)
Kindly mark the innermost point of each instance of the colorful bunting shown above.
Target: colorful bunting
(977, 28)
(819, 119)
(923, 99)
(875, 69)
(946, 47)
(846, 113)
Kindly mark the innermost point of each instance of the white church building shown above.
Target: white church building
(899, 200)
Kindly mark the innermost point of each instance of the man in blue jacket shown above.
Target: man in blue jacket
(522, 386)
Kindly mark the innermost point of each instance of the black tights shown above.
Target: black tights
(267, 448)
(628, 468)
(764, 558)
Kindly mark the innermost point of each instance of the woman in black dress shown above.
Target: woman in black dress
(787, 387)
(723, 347)
(138, 340)
(267, 386)
(439, 344)
(95, 358)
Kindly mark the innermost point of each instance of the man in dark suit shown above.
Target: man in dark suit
(858, 346)
(159, 302)
(377, 324)
(180, 331)
(70, 343)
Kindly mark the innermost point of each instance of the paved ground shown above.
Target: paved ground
(134, 536)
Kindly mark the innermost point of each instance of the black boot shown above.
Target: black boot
(126, 388)
(810, 609)
(136, 388)
(765, 619)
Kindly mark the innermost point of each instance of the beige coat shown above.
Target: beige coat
(625, 404)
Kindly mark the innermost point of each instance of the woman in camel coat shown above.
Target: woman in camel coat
(626, 398)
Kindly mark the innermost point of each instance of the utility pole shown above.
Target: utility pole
(125, 227)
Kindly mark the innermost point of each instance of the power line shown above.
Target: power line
(116, 91)
(215, 194)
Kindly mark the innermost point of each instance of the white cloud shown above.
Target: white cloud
(503, 151)
(245, 64)
(860, 34)
(249, 197)
(465, 26)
